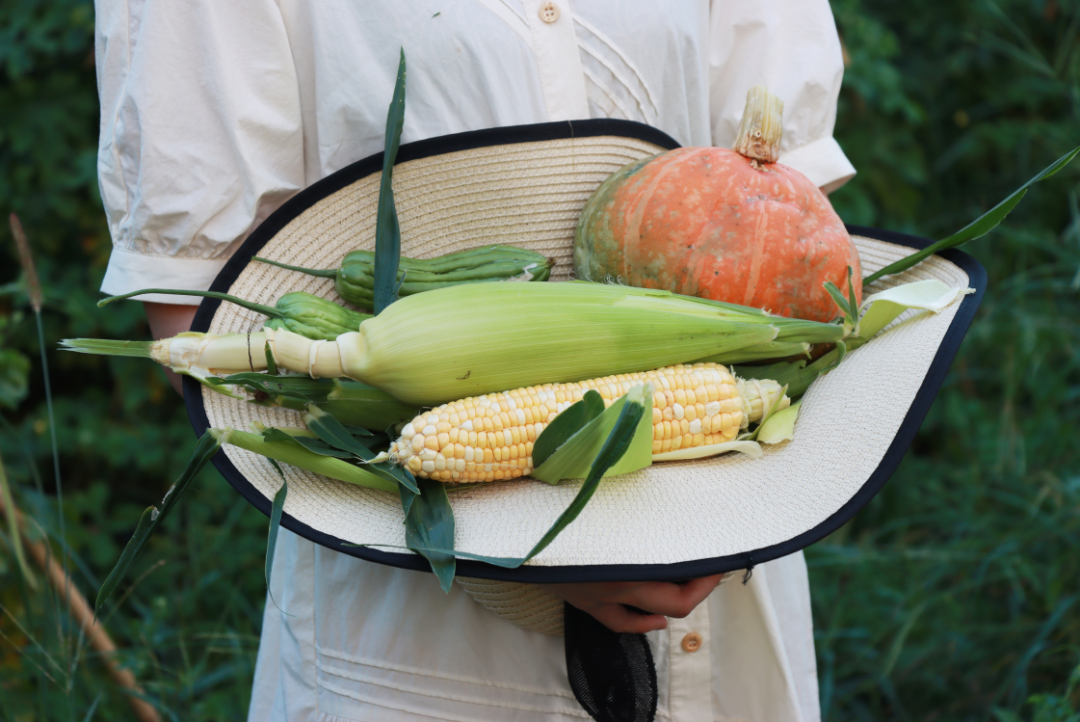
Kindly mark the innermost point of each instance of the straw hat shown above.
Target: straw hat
(526, 186)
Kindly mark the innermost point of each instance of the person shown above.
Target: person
(214, 114)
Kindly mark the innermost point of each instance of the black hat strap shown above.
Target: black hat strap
(611, 674)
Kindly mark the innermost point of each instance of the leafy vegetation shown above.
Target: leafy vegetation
(953, 596)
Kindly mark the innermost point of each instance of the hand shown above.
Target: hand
(608, 602)
(166, 320)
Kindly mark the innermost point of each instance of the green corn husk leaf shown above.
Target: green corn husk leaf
(387, 228)
(429, 526)
(330, 430)
(746, 447)
(620, 441)
(301, 388)
(977, 228)
(366, 405)
(779, 426)
(883, 308)
(276, 511)
(352, 403)
(289, 452)
(769, 413)
(880, 310)
(313, 444)
(574, 458)
(573, 332)
(271, 365)
(107, 347)
(151, 518)
(565, 425)
(761, 352)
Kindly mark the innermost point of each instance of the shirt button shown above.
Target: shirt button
(691, 642)
(549, 12)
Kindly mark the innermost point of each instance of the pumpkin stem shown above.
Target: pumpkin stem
(761, 126)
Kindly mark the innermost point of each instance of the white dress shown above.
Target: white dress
(215, 113)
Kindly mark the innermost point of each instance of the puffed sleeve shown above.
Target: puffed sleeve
(201, 135)
(791, 47)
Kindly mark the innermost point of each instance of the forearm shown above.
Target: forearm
(166, 320)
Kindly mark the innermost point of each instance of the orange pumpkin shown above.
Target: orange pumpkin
(713, 223)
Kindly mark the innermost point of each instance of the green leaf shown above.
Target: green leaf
(839, 299)
(429, 524)
(303, 388)
(624, 437)
(796, 375)
(314, 445)
(275, 524)
(565, 425)
(303, 458)
(151, 518)
(574, 458)
(977, 228)
(387, 228)
(330, 430)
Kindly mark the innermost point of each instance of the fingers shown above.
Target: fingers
(618, 618)
(672, 600)
(610, 603)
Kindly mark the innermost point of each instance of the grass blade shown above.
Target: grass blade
(387, 228)
(8, 502)
(152, 517)
(977, 228)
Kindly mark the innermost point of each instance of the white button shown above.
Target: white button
(549, 12)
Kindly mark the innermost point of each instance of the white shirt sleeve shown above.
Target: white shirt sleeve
(791, 47)
(201, 135)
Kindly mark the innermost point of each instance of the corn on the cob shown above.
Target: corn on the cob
(491, 437)
(478, 338)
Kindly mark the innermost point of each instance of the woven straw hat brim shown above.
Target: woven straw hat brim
(526, 186)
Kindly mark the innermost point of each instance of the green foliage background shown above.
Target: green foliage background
(954, 595)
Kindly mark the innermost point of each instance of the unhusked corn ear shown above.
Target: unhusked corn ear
(489, 438)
